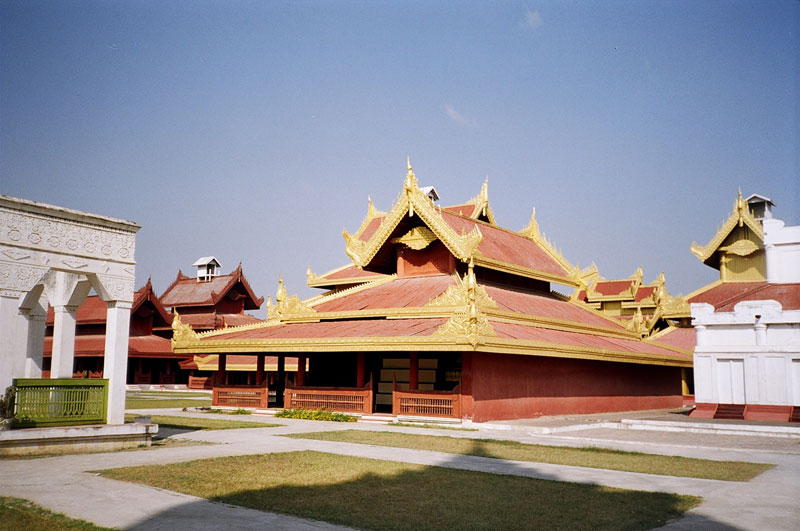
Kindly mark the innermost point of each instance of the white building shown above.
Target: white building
(747, 357)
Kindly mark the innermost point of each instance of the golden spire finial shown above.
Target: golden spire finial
(485, 189)
(281, 293)
(309, 274)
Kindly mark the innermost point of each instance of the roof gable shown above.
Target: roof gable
(740, 217)
(185, 291)
(526, 253)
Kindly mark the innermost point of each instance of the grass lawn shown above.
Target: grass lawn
(192, 423)
(16, 513)
(373, 494)
(558, 455)
(165, 399)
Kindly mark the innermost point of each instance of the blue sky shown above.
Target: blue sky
(255, 131)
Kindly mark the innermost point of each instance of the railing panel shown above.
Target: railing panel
(343, 399)
(240, 396)
(200, 382)
(60, 401)
(427, 403)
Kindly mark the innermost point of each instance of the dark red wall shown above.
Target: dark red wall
(508, 386)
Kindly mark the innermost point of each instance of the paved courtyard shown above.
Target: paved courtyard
(67, 484)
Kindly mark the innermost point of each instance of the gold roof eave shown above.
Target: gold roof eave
(489, 344)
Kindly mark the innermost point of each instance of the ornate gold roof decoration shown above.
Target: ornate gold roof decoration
(463, 292)
(481, 203)
(338, 294)
(741, 247)
(412, 201)
(637, 324)
(180, 331)
(417, 238)
(674, 307)
(532, 232)
(286, 306)
(740, 216)
(471, 324)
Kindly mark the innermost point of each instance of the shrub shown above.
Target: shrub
(315, 414)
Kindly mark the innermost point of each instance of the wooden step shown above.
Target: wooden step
(795, 417)
(730, 412)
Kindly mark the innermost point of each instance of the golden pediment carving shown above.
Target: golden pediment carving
(471, 325)
(417, 238)
(181, 332)
(463, 293)
(286, 306)
(741, 247)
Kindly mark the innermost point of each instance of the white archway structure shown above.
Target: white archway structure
(55, 255)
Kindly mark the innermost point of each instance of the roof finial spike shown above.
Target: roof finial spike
(485, 189)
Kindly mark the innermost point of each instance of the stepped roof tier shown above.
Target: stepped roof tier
(438, 279)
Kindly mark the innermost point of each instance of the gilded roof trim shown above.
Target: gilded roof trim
(740, 216)
(532, 232)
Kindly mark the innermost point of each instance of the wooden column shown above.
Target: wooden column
(221, 373)
(413, 375)
(361, 370)
(260, 369)
(300, 380)
(280, 384)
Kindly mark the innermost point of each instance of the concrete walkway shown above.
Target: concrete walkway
(66, 484)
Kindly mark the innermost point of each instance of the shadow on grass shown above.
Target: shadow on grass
(399, 496)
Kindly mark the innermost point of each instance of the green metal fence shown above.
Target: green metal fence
(60, 401)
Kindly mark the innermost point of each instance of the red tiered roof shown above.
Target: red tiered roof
(399, 293)
(94, 345)
(726, 295)
(186, 291)
(506, 246)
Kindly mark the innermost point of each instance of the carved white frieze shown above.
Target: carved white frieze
(117, 288)
(20, 277)
(26, 229)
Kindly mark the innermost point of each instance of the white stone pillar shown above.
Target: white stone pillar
(12, 326)
(115, 364)
(63, 341)
(35, 345)
(761, 332)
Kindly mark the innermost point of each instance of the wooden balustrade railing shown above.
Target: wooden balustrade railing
(241, 396)
(200, 382)
(427, 403)
(343, 399)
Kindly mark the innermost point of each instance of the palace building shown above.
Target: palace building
(441, 313)
(747, 323)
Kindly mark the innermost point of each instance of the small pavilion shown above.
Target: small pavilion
(55, 255)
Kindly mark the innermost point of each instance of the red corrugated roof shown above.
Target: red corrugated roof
(95, 345)
(506, 246)
(371, 228)
(461, 210)
(333, 329)
(643, 292)
(546, 306)
(350, 272)
(578, 339)
(186, 291)
(612, 287)
(403, 292)
(684, 338)
(726, 295)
